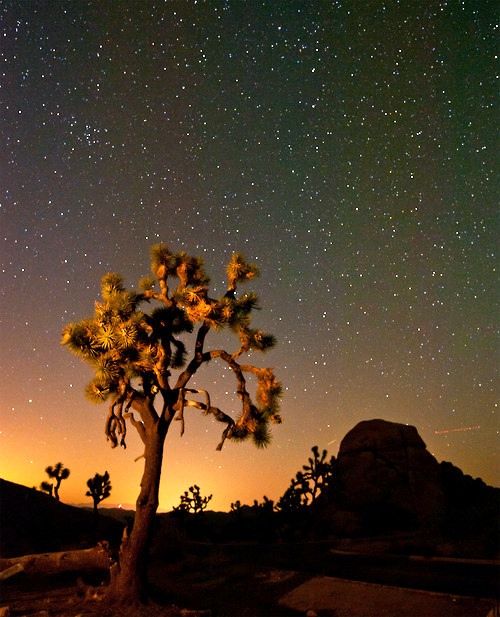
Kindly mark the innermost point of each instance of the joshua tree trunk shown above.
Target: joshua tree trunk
(128, 576)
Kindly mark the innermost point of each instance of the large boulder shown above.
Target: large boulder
(387, 476)
(386, 482)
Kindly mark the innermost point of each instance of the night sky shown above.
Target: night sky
(345, 147)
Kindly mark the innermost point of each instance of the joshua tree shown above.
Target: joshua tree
(193, 502)
(57, 473)
(309, 483)
(135, 353)
(315, 477)
(99, 488)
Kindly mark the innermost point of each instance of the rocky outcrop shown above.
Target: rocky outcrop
(385, 472)
(386, 481)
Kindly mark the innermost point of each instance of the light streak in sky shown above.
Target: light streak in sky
(461, 429)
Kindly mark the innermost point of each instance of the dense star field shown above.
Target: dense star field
(346, 148)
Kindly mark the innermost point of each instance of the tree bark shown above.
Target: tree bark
(128, 576)
(97, 558)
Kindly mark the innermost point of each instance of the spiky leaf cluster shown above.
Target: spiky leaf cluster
(97, 391)
(257, 340)
(269, 392)
(239, 271)
(111, 283)
(119, 341)
(188, 269)
(256, 425)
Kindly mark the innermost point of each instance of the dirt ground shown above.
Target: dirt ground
(264, 593)
(61, 597)
(209, 581)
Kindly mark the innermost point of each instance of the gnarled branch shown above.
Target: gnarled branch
(241, 390)
(206, 407)
(197, 359)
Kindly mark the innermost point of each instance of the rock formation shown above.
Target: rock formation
(385, 473)
(386, 481)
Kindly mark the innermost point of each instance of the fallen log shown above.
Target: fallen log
(97, 558)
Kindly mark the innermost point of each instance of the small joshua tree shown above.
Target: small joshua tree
(135, 344)
(192, 501)
(317, 475)
(99, 488)
(309, 483)
(57, 473)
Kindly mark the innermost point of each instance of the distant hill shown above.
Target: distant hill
(32, 522)
(122, 514)
(106, 505)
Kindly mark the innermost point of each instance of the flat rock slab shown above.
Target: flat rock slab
(341, 598)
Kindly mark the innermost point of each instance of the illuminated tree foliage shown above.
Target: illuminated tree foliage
(135, 344)
(99, 488)
(58, 473)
